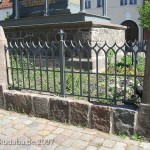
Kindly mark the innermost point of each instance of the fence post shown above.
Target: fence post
(146, 86)
(62, 63)
(143, 119)
(4, 62)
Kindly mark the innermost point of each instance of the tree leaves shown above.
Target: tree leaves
(145, 15)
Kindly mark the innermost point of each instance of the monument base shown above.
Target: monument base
(78, 28)
(53, 19)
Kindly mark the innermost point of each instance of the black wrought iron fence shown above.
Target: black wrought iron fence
(95, 71)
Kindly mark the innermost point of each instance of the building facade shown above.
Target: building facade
(123, 12)
(5, 9)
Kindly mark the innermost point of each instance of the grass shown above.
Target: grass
(134, 137)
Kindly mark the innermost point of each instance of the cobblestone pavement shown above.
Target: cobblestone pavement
(21, 132)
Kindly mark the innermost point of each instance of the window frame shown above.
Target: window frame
(99, 3)
(123, 2)
(87, 4)
(133, 2)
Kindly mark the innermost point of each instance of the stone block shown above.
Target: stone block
(23, 103)
(2, 103)
(79, 113)
(100, 118)
(40, 105)
(59, 110)
(124, 120)
(4, 57)
(143, 121)
(10, 99)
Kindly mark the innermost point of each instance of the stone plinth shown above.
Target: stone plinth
(59, 110)
(100, 118)
(26, 8)
(122, 123)
(143, 121)
(4, 57)
(77, 112)
(40, 104)
(83, 30)
(34, 29)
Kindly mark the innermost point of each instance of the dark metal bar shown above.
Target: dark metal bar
(106, 74)
(62, 63)
(11, 61)
(17, 9)
(125, 77)
(82, 6)
(16, 57)
(34, 53)
(54, 77)
(105, 8)
(89, 86)
(8, 67)
(22, 67)
(28, 67)
(46, 8)
(97, 74)
(72, 69)
(40, 59)
(47, 70)
(135, 74)
(115, 89)
(80, 70)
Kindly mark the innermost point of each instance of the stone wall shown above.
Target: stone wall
(4, 78)
(83, 31)
(143, 121)
(76, 112)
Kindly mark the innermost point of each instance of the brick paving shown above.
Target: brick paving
(21, 132)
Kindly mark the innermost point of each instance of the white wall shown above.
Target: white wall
(117, 13)
(3, 12)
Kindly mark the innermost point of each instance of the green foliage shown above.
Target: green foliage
(121, 135)
(110, 55)
(140, 65)
(127, 60)
(7, 16)
(135, 137)
(145, 15)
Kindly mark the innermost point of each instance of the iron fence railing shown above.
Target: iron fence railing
(95, 71)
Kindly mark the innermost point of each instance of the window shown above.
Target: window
(133, 2)
(87, 4)
(99, 3)
(123, 2)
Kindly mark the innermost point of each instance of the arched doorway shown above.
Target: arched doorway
(132, 30)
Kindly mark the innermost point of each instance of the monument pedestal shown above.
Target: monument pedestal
(75, 26)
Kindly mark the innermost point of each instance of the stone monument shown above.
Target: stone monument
(42, 19)
(26, 8)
